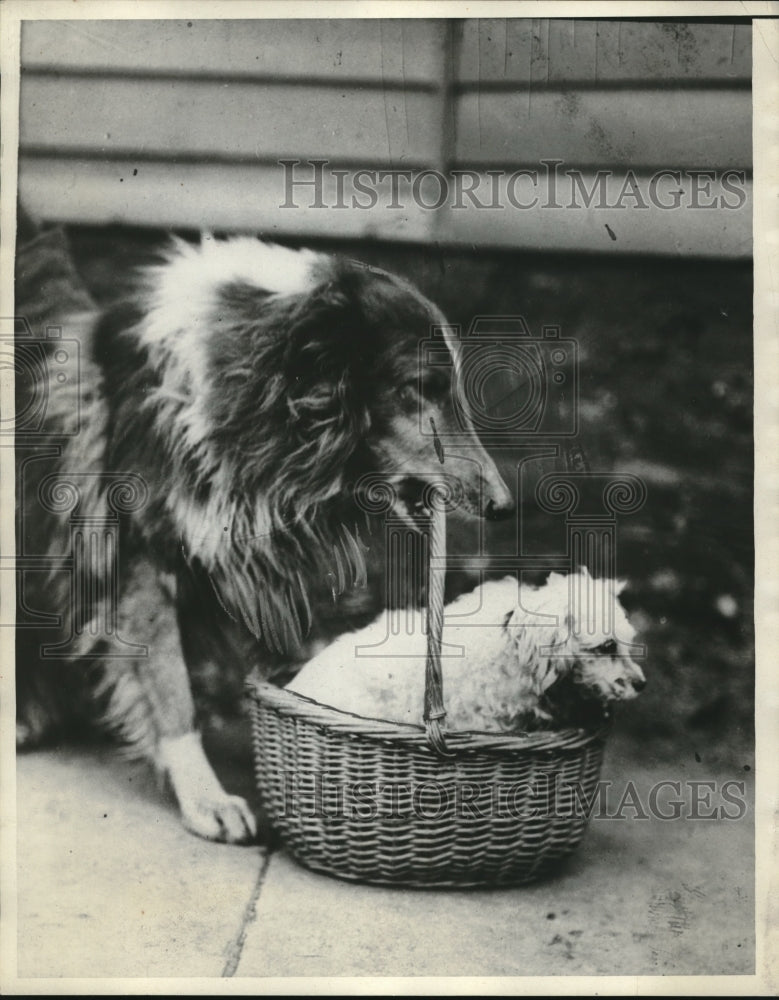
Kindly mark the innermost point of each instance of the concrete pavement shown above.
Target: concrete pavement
(110, 885)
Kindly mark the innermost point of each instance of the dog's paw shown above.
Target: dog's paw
(206, 808)
(34, 728)
(225, 818)
(25, 736)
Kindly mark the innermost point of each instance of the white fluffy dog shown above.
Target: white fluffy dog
(514, 658)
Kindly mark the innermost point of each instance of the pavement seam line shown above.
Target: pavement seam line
(235, 950)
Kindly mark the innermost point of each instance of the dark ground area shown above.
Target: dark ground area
(665, 361)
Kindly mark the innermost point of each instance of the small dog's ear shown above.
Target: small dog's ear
(619, 586)
(542, 653)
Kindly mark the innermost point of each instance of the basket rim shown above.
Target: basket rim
(290, 703)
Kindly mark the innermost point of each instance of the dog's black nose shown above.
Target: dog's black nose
(639, 685)
(499, 511)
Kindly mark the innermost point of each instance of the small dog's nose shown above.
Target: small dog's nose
(639, 683)
(499, 511)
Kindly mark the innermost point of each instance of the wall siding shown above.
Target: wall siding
(182, 123)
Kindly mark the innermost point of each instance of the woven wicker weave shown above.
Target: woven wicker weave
(401, 804)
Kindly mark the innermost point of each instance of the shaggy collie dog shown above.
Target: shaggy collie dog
(516, 658)
(196, 476)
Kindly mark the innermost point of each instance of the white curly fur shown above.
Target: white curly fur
(504, 646)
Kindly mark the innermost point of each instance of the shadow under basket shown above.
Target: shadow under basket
(371, 801)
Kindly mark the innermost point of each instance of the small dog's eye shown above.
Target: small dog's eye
(606, 649)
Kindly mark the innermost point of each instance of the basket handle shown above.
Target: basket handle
(434, 711)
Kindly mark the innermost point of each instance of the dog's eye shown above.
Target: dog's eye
(606, 649)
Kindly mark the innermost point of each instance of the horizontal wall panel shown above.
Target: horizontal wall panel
(525, 50)
(243, 198)
(167, 123)
(200, 196)
(393, 51)
(244, 119)
(634, 127)
(602, 227)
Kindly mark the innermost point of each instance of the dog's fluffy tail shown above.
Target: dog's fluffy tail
(48, 286)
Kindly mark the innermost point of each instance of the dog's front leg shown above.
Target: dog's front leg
(206, 808)
(152, 707)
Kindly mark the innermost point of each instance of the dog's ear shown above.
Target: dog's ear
(327, 335)
(320, 331)
(541, 653)
(327, 414)
(619, 586)
(322, 355)
(554, 656)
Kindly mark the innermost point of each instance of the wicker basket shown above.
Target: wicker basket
(411, 805)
